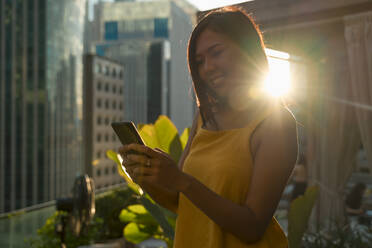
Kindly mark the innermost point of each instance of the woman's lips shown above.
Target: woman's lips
(217, 82)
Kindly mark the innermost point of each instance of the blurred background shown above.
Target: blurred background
(68, 68)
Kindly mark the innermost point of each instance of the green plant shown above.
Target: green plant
(150, 219)
(298, 216)
(105, 225)
(339, 236)
(142, 225)
(47, 236)
(108, 208)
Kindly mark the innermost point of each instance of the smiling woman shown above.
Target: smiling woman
(241, 150)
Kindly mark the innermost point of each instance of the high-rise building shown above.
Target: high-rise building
(150, 39)
(41, 45)
(103, 104)
(147, 68)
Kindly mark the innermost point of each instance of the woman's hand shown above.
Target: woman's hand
(153, 167)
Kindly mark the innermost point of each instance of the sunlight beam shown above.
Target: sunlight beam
(278, 81)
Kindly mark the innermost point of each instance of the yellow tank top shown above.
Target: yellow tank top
(220, 160)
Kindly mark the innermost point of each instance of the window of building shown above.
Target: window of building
(107, 70)
(99, 86)
(98, 172)
(114, 169)
(114, 89)
(107, 121)
(98, 137)
(121, 90)
(98, 154)
(98, 68)
(114, 73)
(99, 120)
(111, 30)
(106, 171)
(121, 105)
(114, 104)
(113, 137)
(99, 103)
(107, 87)
(121, 74)
(106, 137)
(107, 104)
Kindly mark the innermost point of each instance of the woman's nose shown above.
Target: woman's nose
(209, 66)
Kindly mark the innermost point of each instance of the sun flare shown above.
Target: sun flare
(278, 81)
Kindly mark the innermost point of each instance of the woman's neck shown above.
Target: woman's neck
(228, 117)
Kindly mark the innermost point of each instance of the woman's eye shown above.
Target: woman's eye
(216, 53)
(199, 62)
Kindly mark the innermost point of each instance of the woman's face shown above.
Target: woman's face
(220, 62)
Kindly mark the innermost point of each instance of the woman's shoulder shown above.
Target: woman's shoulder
(279, 123)
(280, 119)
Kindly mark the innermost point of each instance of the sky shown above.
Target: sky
(200, 4)
(211, 4)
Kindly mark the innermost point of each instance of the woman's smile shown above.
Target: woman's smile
(217, 82)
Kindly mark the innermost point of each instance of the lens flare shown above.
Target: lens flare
(278, 81)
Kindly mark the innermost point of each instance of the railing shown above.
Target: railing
(19, 225)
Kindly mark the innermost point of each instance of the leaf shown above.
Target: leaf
(137, 209)
(148, 134)
(165, 132)
(113, 156)
(159, 215)
(175, 148)
(132, 185)
(127, 216)
(184, 137)
(299, 214)
(138, 214)
(135, 233)
(164, 135)
(140, 126)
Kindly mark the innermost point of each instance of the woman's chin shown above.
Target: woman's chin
(240, 98)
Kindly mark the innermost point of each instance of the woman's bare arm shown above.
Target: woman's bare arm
(273, 163)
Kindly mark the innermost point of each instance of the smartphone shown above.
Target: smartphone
(127, 133)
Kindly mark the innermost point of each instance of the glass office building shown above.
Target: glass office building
(41, 45)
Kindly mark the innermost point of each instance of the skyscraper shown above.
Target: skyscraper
(103, 104)
(41, 44)
(150, 39)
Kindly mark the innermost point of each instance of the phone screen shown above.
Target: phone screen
(127, 133)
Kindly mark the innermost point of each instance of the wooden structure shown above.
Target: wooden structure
(334, 39)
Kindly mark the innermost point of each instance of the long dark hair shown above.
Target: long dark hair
(240, 28)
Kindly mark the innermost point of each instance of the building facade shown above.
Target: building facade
(41, 45)
(103, 104)
(150, 39)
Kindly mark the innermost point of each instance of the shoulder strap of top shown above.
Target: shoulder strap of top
(200, 122)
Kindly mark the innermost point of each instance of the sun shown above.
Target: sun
(278, 81)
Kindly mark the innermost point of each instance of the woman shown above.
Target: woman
(241, 149)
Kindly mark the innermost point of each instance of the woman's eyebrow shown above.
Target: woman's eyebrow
(210, 48)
